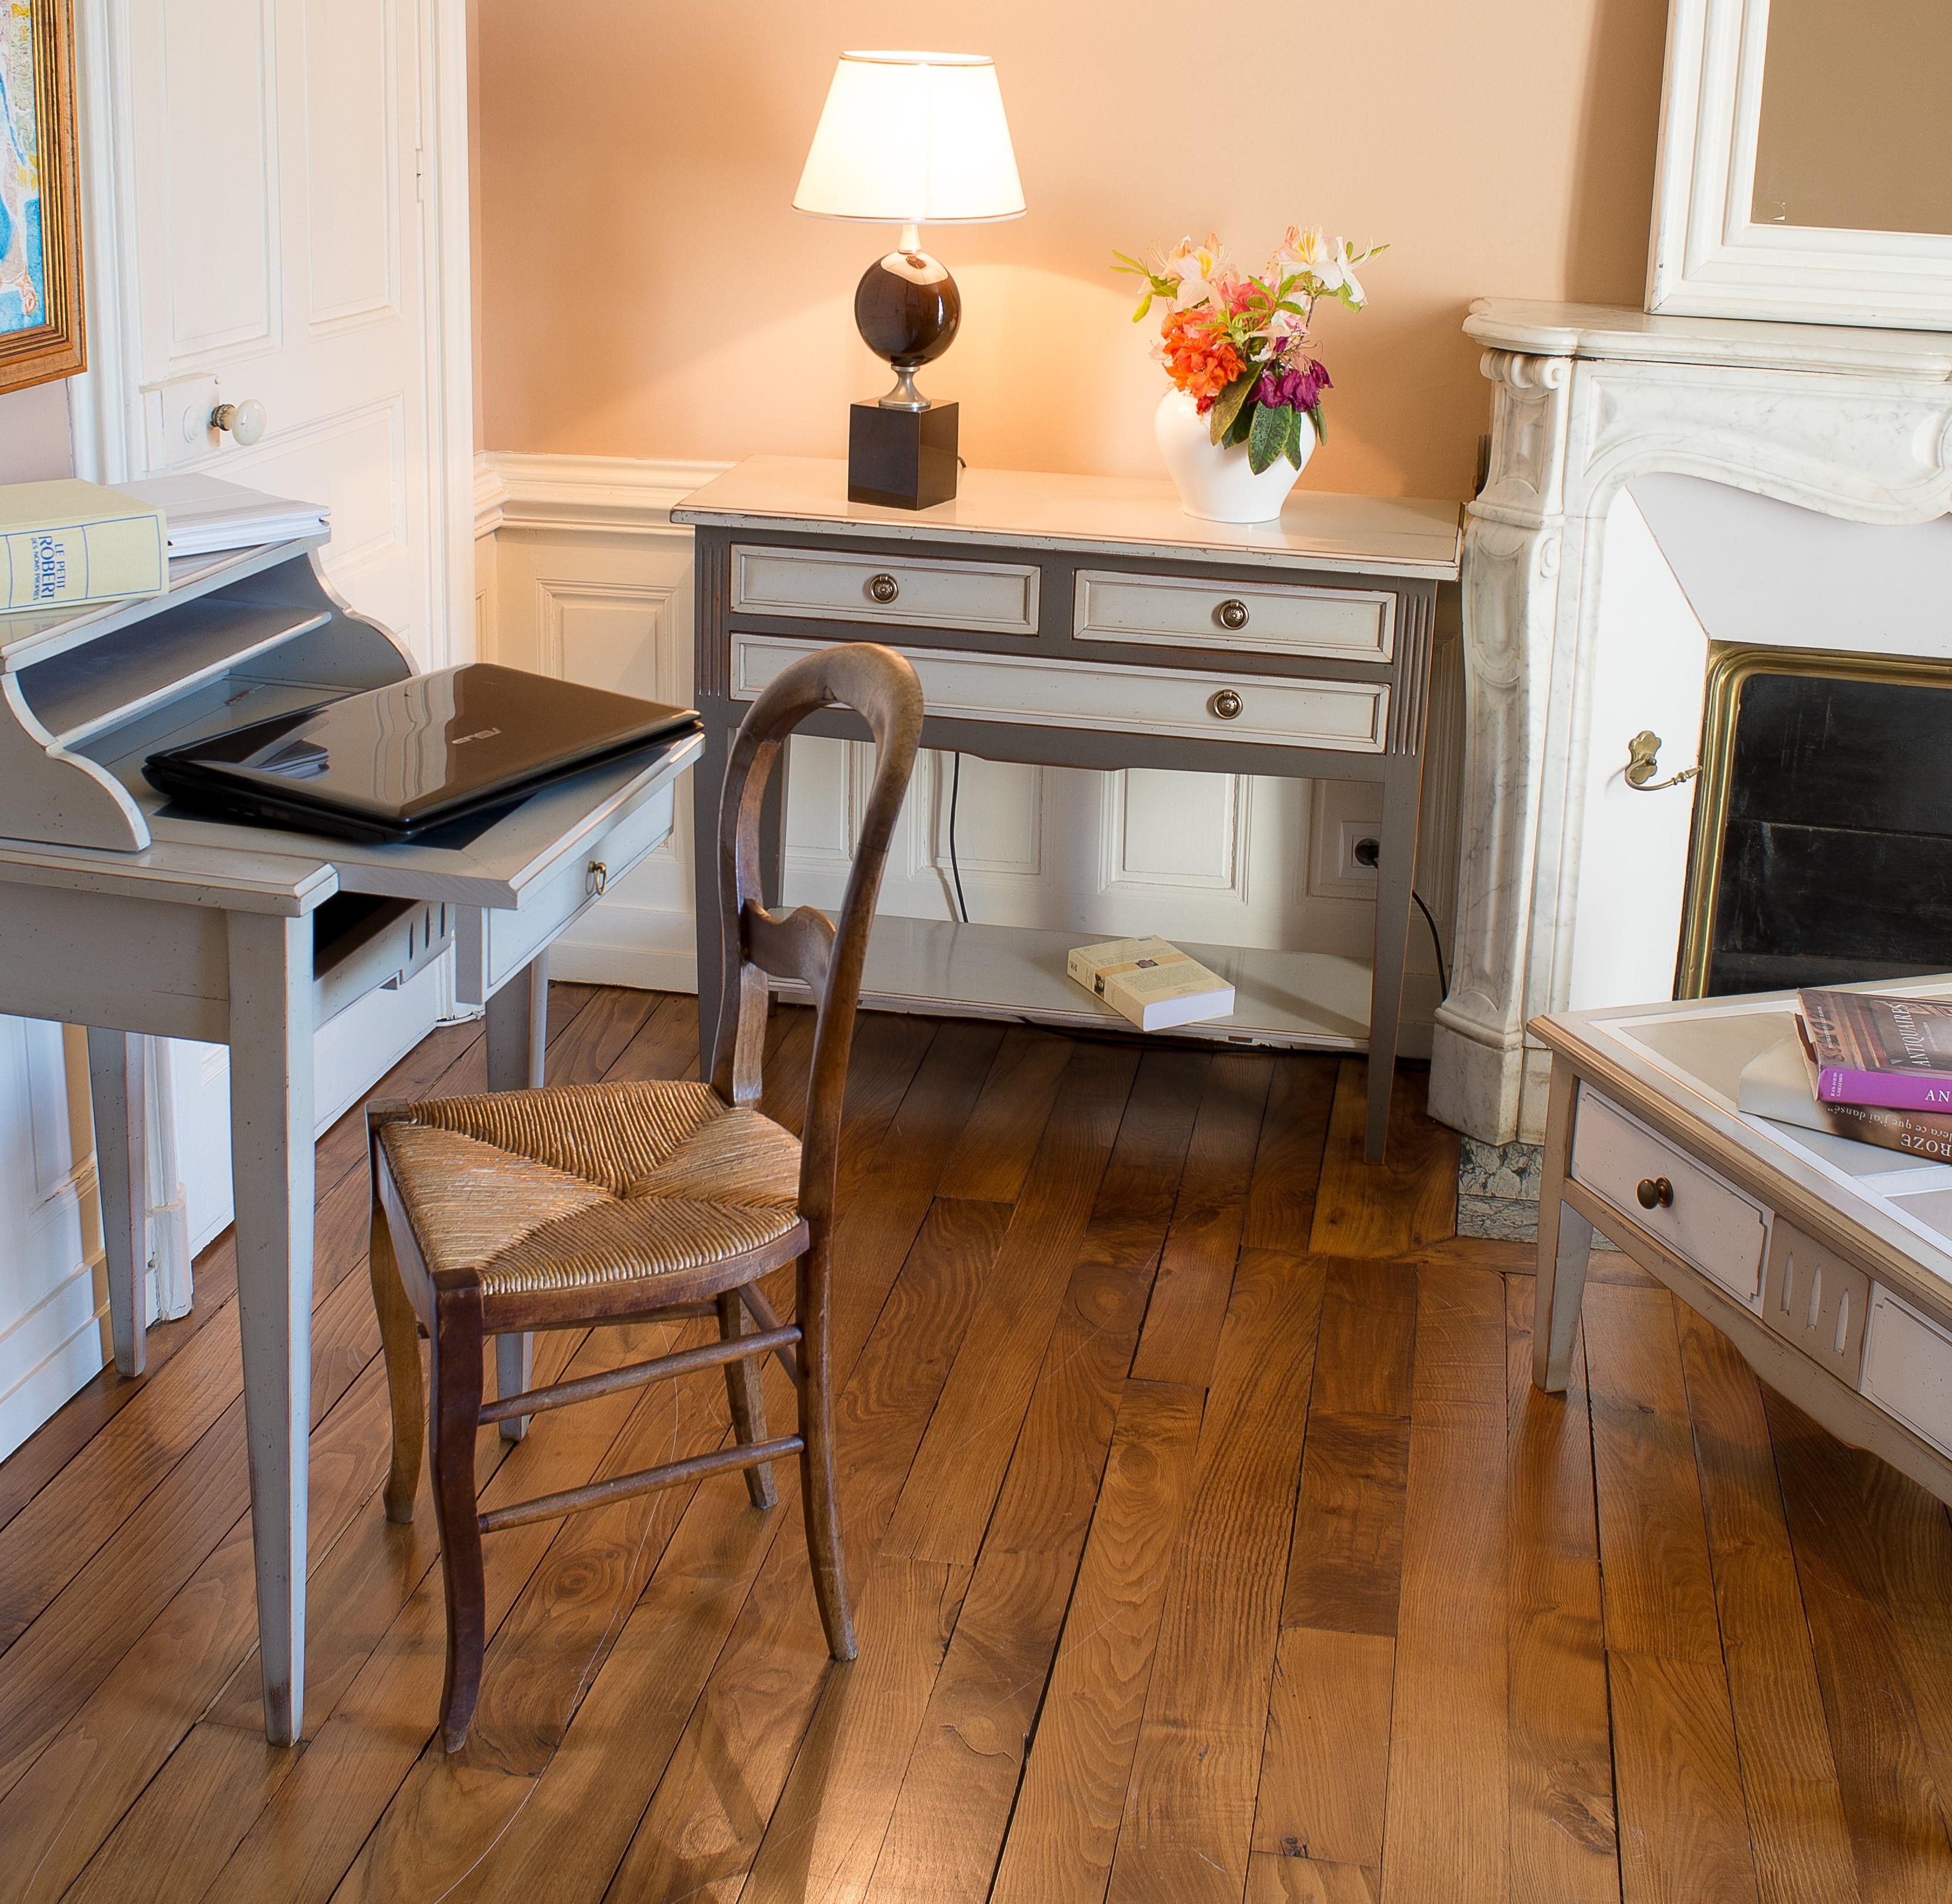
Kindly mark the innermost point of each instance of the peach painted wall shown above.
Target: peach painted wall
(646, 290)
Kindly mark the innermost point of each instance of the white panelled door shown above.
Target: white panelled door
(273, 227)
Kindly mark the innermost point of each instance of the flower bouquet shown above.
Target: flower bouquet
(1235, 347)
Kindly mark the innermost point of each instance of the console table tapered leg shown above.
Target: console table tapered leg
(1394, 877)
(271, 1176)
(518, 1048)
(117, 1085)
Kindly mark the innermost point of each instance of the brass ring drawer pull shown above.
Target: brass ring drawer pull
(884, 588)
(599, 877)
(1231, 614)
(1226, 705)
(1655, 1192)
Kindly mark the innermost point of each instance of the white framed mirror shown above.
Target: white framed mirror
(1803, 172)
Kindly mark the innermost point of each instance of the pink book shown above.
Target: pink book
(1873, 1048)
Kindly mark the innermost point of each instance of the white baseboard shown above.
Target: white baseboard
(635, 946)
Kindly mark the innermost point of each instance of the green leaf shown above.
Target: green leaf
(1291, 446)
(1227, 405)
(1237, 430)
(1320, 428)
(1267, 437)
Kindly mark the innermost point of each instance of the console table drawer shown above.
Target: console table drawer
(1701, 1219)
(986, 597)
(1349, 624)
(1908, 1368)
(1348, 715)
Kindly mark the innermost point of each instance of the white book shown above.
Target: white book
(207, 515)
(1151, 982)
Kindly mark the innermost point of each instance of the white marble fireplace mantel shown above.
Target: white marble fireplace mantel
(1855, 424)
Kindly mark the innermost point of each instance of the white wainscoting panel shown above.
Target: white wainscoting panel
(50, 1339)
(581, 573)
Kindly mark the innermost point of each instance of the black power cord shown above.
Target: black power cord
(954, 866)
(1369, 852)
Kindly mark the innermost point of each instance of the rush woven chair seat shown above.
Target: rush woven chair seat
(516, 1210)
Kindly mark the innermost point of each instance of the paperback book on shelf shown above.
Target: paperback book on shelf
(70, 544)
(1878, 1048)
(1780, 1084)
(1151, 982)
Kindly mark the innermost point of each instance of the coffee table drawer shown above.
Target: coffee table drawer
(1812, 1298)
(1662, 1191)
(1349, 715)
(986, 597)
(1244, 618)
(1908, 1368)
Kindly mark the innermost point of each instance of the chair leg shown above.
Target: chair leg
(399, 1338)
(747, 1397)
(819, 1492)
(455, 1366)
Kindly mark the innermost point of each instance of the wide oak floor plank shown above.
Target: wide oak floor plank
(1565, 1846)
(1684, 1831)
(1190, 1815)
(1397, 1206)
(1789, 1775)
(1065, 1826)
(1448, 1771)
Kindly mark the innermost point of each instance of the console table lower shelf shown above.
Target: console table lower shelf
(1296, 1000)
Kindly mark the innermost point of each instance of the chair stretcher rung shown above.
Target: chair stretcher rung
(547, 1507)
(588, 1387)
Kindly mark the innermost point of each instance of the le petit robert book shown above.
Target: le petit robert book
(1877, 1048)
(1150, 981)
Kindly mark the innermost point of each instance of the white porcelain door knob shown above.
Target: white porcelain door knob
(245, 421)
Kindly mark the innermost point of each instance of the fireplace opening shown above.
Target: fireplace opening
(1821, 848)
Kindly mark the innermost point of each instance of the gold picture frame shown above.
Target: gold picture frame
(42, 332)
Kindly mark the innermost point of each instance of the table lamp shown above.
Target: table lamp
(909, 140)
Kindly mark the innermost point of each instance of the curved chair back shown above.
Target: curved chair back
(881, 687)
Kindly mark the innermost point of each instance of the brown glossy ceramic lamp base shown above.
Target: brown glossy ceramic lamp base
(901, 451)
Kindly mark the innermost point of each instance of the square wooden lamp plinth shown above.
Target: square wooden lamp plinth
(901, 459)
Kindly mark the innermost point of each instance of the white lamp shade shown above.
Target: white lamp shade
(912, 138)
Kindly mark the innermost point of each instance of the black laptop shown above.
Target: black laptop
(399, 760)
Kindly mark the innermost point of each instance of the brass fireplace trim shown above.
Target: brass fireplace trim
(1730, 664)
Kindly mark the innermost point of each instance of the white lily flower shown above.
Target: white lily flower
(1309, 253)
(1198, 267)
(1344, 268)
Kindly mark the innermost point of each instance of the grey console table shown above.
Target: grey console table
(1828, 1263)
(1087, 621)
(120, 915)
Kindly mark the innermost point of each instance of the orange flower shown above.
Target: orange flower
(1200, 360)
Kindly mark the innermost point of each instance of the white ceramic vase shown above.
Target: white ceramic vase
(1217, 485)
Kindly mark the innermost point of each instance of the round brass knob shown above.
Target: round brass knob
(1231, 615)
(1226, 705)
(1654, 1192)
(884, 588)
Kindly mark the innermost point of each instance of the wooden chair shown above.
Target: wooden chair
(555, 1208)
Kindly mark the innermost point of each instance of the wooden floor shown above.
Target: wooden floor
(1208, 1539)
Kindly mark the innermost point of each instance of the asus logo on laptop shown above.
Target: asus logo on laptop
(481, 733)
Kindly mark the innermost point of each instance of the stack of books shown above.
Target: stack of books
(1868, 1065)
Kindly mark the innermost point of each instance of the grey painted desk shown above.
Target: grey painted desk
(121, 916)
(1087, 621)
